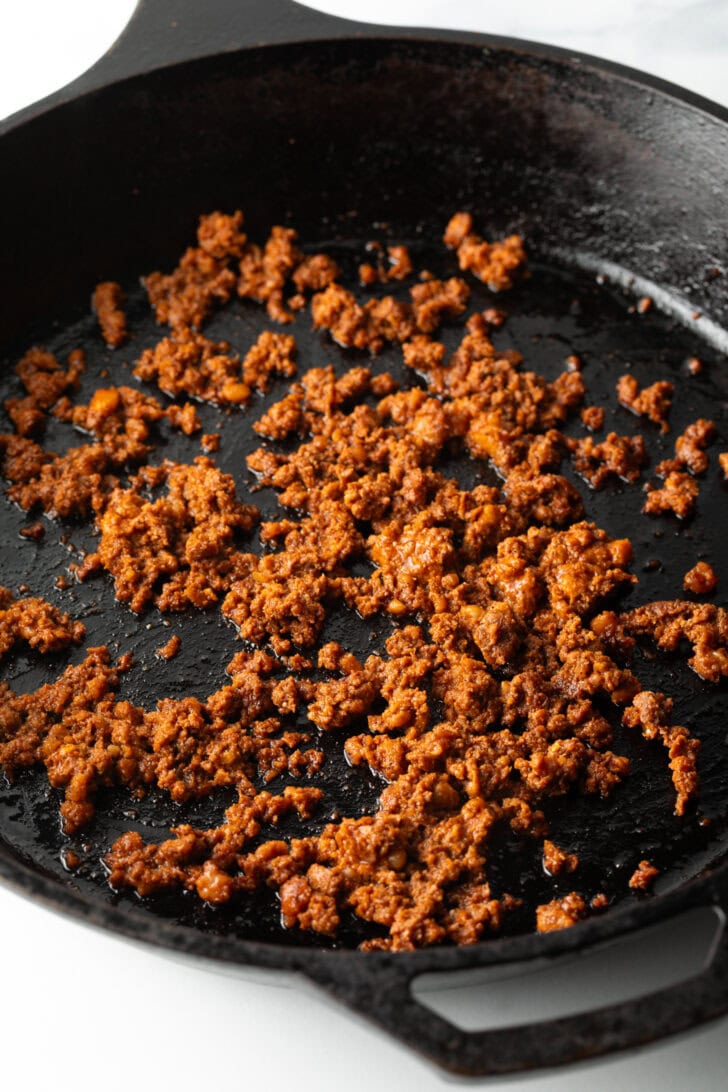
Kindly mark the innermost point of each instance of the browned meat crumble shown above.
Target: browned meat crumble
(652, 402)
(680, 492)
(701, 579)
(592, 416)
(35, 623)
(178, 550)
(172, 647)
(561, 913)
(108, 303)
(494, 263)
(644, 876)
(557, 860)
(188, 363)
(504, 595)
(398, 265)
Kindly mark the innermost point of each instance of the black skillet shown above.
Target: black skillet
(347, 131)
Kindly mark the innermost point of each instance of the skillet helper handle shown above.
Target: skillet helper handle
(383, 995)
(164, 32)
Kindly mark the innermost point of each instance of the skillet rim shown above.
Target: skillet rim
(707, 888)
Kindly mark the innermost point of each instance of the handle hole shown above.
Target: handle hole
(653, 959)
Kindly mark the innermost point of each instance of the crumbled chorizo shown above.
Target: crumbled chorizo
(617, 456)
(45, 380)
(593, 417)
(690, 446)
(184, 418)
(643, 876)
(36, 623)
(70, 485)
(185, 297)
(171, 648)
(561, 913)
(702, 624)
(679, 495)
(493, 263)
(652, 402)
(178, 550)
(264, 271)
(651, 712)
(119, 417)
(557, 860)
(701, 579)
(399, 268)
(189, 363)
(489, 698)
(108, 303)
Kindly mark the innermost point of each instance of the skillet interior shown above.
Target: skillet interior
(554, 313)
(336, 138)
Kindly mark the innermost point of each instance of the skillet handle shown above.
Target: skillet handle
(383, 995)
(166, 32)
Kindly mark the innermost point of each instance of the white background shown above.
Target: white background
(80, 1010)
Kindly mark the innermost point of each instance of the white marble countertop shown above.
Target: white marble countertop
(84, 1011)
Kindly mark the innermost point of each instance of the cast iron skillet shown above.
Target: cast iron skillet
(286, 113)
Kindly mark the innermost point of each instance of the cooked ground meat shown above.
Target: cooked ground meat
(653, 402)
(702, 624)
(27, 418)
(119, 417)
(701, 579)
(557, 860)
(210, 442)
(643, 876)
(271, 355)
(616, 457)
(44, 381)
(36, 531)
(108, 303)
(172, 647)
(87, 739)
(561, 913)
(36, 623)
(189, 363)
(265, 271)
(203, 278)
(690, 446)
(368, 326)
(176, 551)
(593, 417)
(493, 263)
(70, 485)
(678, 495)
(184, 418)
(508, 669)
(399, 266)
(680, 492)
(76, 484)
(652, 713)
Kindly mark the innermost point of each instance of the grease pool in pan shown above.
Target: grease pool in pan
(552, 314)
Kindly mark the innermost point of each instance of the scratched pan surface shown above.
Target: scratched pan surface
(349, 140)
